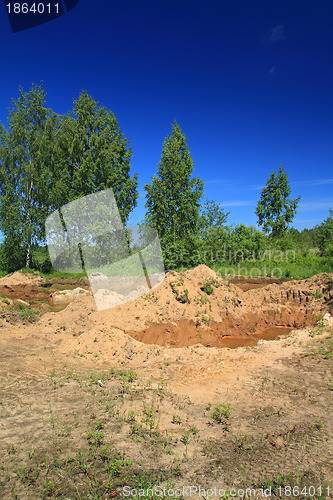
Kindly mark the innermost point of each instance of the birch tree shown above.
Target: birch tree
(173, 197)
(25, 175)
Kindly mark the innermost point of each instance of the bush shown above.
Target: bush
(12, 256)
(46, 267)
(324, 235)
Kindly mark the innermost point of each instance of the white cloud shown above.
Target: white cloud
(216, 181)
(324, 181)
(318, 182)
(237, 203)
(315, 205)
(306, 221)
(277, 33)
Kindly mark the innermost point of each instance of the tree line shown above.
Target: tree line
(48, 160)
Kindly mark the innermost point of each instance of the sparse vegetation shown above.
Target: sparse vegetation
(221, 415)
(176, 419)
(209, 285)
(85, 459)
(181, 295)
(97, 429)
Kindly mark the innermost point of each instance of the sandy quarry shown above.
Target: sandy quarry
(83, 391)
(177, 321)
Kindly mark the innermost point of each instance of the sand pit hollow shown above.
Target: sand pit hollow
(75, 370)
(189, 308)
(198, 306)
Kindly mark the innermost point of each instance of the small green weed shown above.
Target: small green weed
(181, 296)
(209, 285)
(176, 419)
(319, 423)
(185, 439)
(221, 415)
(194, 430)
(25, 313)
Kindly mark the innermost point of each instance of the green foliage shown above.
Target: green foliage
(212, 234)
(212, 218)
(245, 242)
(48, 160)
(221, 415)
(274, 209)
(28, 313)
(25, 175)
(209, 285)
(173, 198)
(324, 236)
(181, 295)
(92, 155)
(302, 239)
(229, 244)
(178, 253)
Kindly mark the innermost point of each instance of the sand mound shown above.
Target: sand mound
(106, 298)
(186, 309)
(65, 297)
(200, 299)
(20, 279)
(202, 271)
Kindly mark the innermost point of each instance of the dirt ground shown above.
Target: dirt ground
(152, 394)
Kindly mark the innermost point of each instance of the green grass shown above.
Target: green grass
(24, 313)
(300, 265)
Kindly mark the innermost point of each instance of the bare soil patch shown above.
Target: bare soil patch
(186, 333)
(36, 290)
(246, 283)
(94, 401)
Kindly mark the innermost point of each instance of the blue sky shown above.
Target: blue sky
(250, 84)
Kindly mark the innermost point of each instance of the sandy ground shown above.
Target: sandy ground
(174, 335)
(179, 314)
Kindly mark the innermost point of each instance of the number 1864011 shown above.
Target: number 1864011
(35, 8)
(306, 491)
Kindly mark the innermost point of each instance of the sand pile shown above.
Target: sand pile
(20, 279)
(202, 296)
(192, 301)
(106, 298)
(65, 297)
(75, 319)
(186, 304)
(179, 296)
